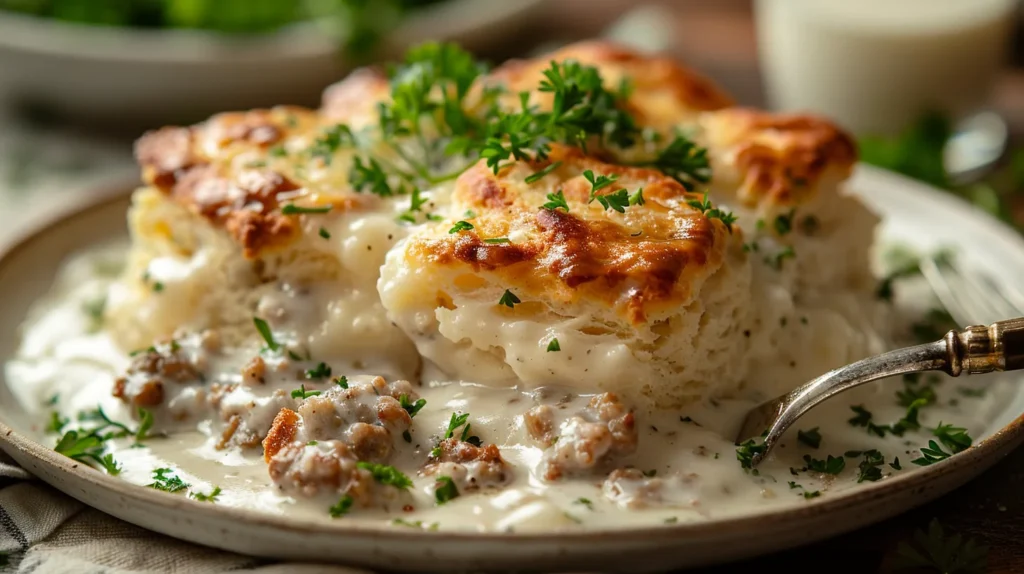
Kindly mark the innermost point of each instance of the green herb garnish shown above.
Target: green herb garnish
(445, 489)
(167, 483)
(811, 438)
(386, 475)
(292, 209)
(461, 226)
(302, 393)
(342, 507)
(212, 497)
(509, 299)
(321, 371)
(411, 408)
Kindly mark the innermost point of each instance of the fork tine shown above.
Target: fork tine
(944, 291)
(971, 298)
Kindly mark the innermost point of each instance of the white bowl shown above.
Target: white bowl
(128, 78)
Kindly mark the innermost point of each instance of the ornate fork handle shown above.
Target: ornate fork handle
(973, 350)
(980, 349)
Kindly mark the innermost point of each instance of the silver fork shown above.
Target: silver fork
(969, 298)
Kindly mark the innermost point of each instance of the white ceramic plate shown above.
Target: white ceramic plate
(913, 213)
(129, 76)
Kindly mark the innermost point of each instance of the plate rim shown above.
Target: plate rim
(984, 453)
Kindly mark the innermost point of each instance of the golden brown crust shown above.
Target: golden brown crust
(777, 158)
(664, 92)
(644, 257)
(225, 170)
(356, 97)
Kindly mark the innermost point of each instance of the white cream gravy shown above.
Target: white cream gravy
(691, 449)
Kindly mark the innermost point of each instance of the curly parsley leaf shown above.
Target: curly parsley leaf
(955, 438)
(869, 468)
(831, 465)
(555, 201)
(161, 481)
(931, 454)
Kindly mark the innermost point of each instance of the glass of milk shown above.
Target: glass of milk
(875, 66)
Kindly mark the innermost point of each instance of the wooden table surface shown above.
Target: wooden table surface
(718, 38)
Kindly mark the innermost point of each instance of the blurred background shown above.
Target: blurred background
(932, 88)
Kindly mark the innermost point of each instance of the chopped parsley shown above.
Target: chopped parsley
(784, 222)
(386, 475)
(302, 393)
(341, 381)
(411, 408)
(617, 200)
(498, 240)
(321, 371)
(333, 139)
(509, 299)
(746, 452)
(712, 212)
(812, 494)
(585, 502)
(637, 198)
(292, 209)
(553, 346)
(869, 468)
(145, 423)
(167, 483)
(556, 200)
(931, 454)
(461, 226)
(776, 261)
(456, 421)
(342, 507)
(895, 464)
(324, 233)
(955, 438)
(831, 465)
(811, 438)
(212, 497)
(266, 333)
(445, 489)
(57, 423)
(537, 176)
(913, 390)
